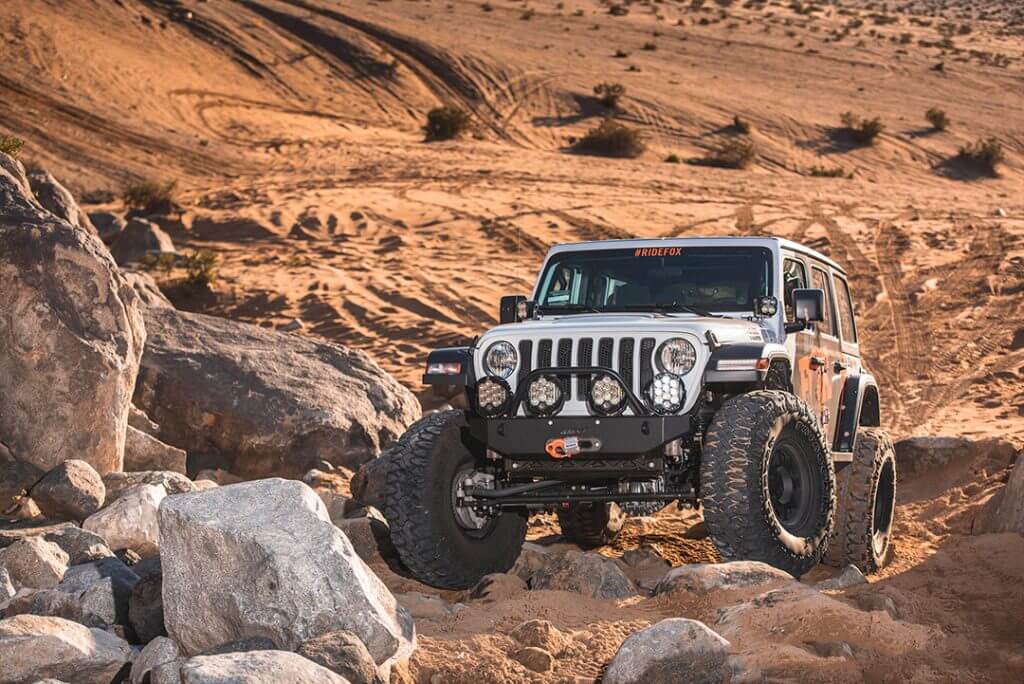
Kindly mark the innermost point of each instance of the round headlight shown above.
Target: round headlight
(666, 393)
(676, 356)
(606, 395)
(501, 359)
(544, 396)
(492, 396)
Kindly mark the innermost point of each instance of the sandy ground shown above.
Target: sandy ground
(293, 130)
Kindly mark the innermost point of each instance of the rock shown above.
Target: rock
(94, 594)
(267, 403)
(108, 225)
(16, 479)
(255, 643)
(535, 659)
(661, 652)
(700, 579)
(999, 212)
(873, 602)
(497, 586)
(541, 634)
(850, 576)
(830, 649)
(590, 574)
(294, 324)
(33, 647)
(173, 483)
(58, 200)
(11, 532)
(81, 545)
(924, 454)
(139, 239)
(644, 568)
(34, 563)
(146, 608)
(369, 482)
(281, 570)
(697, 531)
(7, 589)
(427, 607)
(203, 485)
(343, 653)
(1005, 510)
(73, 334)
(532, 558)
(71, 491)
(143, 452)
(371, 539)
(141, 422)
(131, 521)
(157, 652)
(337, 505)
(15, 184)
(148, 291)
(218, 475)
(256, 667)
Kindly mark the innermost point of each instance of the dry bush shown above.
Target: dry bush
(863, 131)
(618, 10)
(730, 154)
(528, 14)
(986, 155)
(673, 159)
(446, 122)
(10, 145)
(621, 54)
(612, 139)
(650, 47)
(147, 195)
(937, 118)
(741, 125)
(609, 94)
(201, 268)
(828, 172)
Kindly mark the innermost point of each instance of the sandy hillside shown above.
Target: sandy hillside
(293, 130)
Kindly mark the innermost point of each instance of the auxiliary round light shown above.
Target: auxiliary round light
(501, 359)
(676, 356)
(607, 395)
(544, 396)
(492, 396)
(666, 393)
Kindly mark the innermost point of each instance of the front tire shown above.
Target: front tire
(767, 482)
(591, 524)
(442, 545)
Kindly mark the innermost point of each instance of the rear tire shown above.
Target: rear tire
(767, 482)
(591, 525)
(866, 504)
(439, 549)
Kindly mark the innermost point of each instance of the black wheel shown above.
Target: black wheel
(767, 482)
(593, 524)
(443, 544)
(866, 504)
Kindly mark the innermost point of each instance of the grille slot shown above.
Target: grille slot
(525, 358)
(646, 369)
(565, 361)
(544, 354)
(604, 352)
(626, 360)
(584, 357)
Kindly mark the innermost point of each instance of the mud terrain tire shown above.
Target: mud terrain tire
(591, 525)
(865, 506)
(419, 508)
(765, 463)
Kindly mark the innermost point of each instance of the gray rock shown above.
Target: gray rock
(256, 667)
(370, 537)
(700, 579)
(662, 652)
(173, 483)
(337, 504)
(497, 587)
(873, 602)
(850, 576)
(131, 521)
(645, 568)
(267, 403)
(108, 225)
(157, 652)
(590, 574)
(924, 454)
(146, 608)
(281, 570)
(143, 452)
(830, 649)
(369, 482)
(253, 643)
(532, 558)
(7, 589)
(343, 653)
(139, 239)
(11, 532)
(33, 647)
(148, 291)
(138, 419)
(93, 594)
(58, 200)
(17, 184)
(1005, 510)
(73, 334)
(81, 545)
(71, 491)
(16, 479)
(34, 562)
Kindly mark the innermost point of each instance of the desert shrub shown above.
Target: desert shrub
(10, 145)
(937, 118)
(487, 7)
(201, 268)
(164, 262)
(650, 47)
(828, 172)
(446, 122)
(612, 139)
(609, 94)
(148, 194)
(528, 14)
(863, 131)
(621, 54)
(673, 159)
(618, 10)
(985, 154)
(731, 154)
(741, 125)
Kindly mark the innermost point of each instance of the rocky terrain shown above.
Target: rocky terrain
(229, 248)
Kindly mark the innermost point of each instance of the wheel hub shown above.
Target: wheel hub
(790, 489)
(466, 514)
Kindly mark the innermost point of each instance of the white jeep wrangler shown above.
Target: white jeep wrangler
(714, 372)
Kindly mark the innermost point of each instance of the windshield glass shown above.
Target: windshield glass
(701, 278)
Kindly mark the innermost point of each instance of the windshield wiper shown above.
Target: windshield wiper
(671, 306)
(568, 308)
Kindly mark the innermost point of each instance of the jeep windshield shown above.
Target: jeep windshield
(658, 278)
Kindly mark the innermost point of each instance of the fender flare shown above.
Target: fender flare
(735, 356)
(449, 355)
(859, 405)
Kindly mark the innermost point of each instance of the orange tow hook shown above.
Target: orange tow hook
(562, 447)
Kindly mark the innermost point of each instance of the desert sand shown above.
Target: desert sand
(293, 131)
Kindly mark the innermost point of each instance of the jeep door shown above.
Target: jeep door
(829, 356)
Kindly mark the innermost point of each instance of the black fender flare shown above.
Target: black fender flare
(736, 354)
(450, 355)
(859, 406)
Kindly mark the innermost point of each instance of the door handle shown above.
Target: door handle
(838, 367)
(817, 362)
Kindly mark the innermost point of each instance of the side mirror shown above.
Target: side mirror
(766, 306)
(515, 308)
(809, 305)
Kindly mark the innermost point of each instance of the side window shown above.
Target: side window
(820, 280)
(560, 291)
(845, 303)
(794, 276)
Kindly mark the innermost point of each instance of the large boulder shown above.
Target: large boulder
(268, 562)
(256, 667)
(34, 563)
(71, 334)
(71, 491)
(108, 224)
(916, 455)
(94, 594)
(81, 545)
(146, 288)
(120, 483)
(343, 653)
(590, 574)
(139, 239)
(663, 652)
(34, 647)
(131, 521)
(267, 402)
(699, 579)
(146, 608)
(157, 652)
(1005, 510)
(143, 452)
(58, 200)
